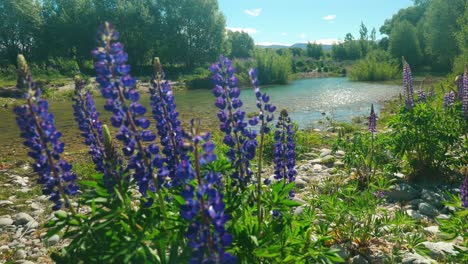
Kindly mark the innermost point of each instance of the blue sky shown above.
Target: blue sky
(299, 21)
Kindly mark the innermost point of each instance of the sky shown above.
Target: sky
(300, 21)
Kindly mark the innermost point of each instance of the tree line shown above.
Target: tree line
(186, 32)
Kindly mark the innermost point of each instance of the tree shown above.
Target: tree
(338, 52)
(314, 50)
(241, 44)
(440, 28)
(20, 26)
(404, 43)
(193, 31)
(462, 40)
(296, 51)
(349, 37)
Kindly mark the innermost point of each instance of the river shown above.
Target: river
(305, 100)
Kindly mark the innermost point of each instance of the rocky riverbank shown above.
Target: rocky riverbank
(24, 212)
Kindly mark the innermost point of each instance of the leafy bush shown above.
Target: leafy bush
(273, 68)
(377, 66)
(425, 137)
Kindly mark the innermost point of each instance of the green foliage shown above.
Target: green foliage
(314, 50)
(241, 44)
(404, 43)
(365, 154)
(377, 66)
(272, 68)
(422, 137)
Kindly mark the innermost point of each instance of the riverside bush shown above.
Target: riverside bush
(169, 196)
(377, 66)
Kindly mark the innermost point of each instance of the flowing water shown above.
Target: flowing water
(305, 101)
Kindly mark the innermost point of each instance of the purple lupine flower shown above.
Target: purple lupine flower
(284, 149)
(449, 99)
(465, 94)
(37, 127)
(421, 96)
(169, 127)
(90, 126)
(407, 86)
(240, 140)
(204, 208)
(118, 87)
(372, 120)
(464, 192)
(266, 110)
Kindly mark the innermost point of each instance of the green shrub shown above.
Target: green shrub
(377, 66)
(425, 137)
(273, 68)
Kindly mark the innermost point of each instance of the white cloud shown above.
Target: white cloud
(303, 36)
(267, 43)
(329, 17)
(284, 34)
(253, 12)
(246, 30)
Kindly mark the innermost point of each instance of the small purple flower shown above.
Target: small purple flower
(372, 120)
(408, 86)
(421, 96)
(464, 192)
(449, 99)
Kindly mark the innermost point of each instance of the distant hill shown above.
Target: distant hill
(297, 45)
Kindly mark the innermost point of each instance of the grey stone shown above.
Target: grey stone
(428, 209)
(53, 240)
(338, 164)
(20, 254)
(414, 214)
(415, 258)
(299, 183)
(340, 153)
(316, 161)
(358, 260)
(415, 203)
(5, 222)
(443, 217)
(5, 202)
(327, 160)
(4, 248)
(402, 192)
(23, 218)
(317, 167)
(32, 224)
(432, 229)
(439, 250)
(432, 197)
(325, 152)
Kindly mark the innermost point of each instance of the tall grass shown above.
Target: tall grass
(273, 68)
(377, 66)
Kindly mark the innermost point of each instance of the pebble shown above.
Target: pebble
(415, 258)
(414, 214)
(23, 218)
(20, 254)
(439, 249)
(427, 209)
(5, 222)
(325, 152)
(4, 248)
(53, 240)
(316, 161)
(432, 229)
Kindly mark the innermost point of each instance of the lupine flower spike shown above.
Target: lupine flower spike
(465, 94)
(106, 160)
(37, 127)
(118, 87)
(407, 86)
(372, 124)
(241, 141)
(284, 150)
(169, 128)
(204, 206)
(464, 192)
(449, 99)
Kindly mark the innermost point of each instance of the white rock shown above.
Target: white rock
(414, 214)
(23, 218)
(415, 258)
(5, 221)
(432, 229)
(439, 249)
